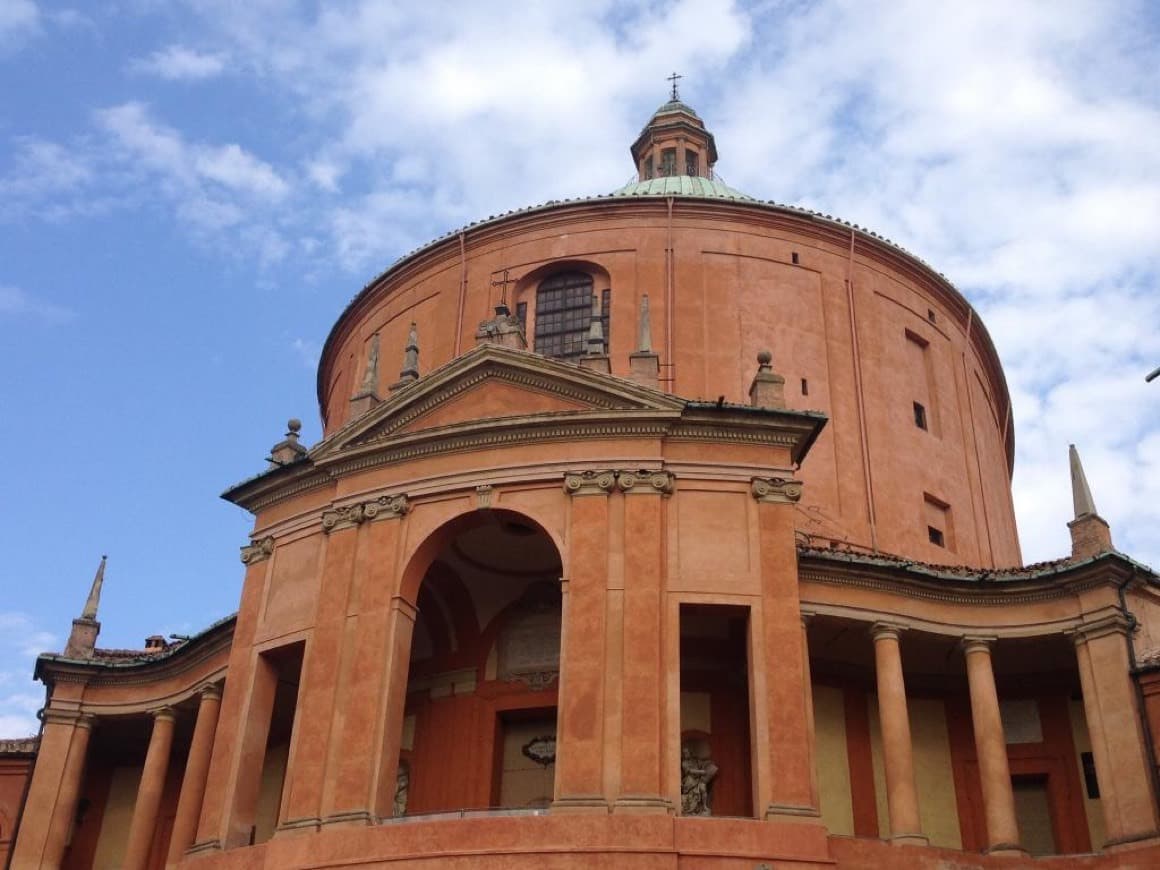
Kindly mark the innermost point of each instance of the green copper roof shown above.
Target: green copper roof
(675, 106)
(682, 185)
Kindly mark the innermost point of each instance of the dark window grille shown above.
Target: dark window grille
(668, 162)
(564, 314)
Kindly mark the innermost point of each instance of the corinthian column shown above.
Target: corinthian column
(897, 750)
(144, 822)
(196, 770)
(991, 748)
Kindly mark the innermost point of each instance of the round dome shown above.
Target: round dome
(682, 185)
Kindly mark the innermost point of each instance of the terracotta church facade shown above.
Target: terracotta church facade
(697, 551)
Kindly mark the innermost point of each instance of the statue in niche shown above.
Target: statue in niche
(697, 774)
(402, 786)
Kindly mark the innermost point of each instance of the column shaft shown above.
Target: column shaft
(144, 822)
(991, 748)
(196, 771)
(897, 749)
(64, 811)
(580, 752)
(1110, 706)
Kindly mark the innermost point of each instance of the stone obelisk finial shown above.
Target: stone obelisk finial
(1090, 533)
(410, 370)
(85, 628)
(288, 450)
(368, 392)
(596, 356)
(644, 366)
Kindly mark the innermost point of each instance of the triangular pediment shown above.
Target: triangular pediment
(493, 385)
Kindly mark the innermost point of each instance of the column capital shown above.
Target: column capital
(163, 714)
(1114, 623)
(977, 643)
(657, 481)
(68, 717)
(886, 630)
(776, 490)
(211, 692)
(258, 550)
(589, 482)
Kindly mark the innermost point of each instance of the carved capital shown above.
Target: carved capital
(776, 490)
(257, 551)
(886, 630)
(67, 717)
(978, 643)
(589, 482)
(342, 518)
(646, 481)
(211, 692)
(386, 507)
(483, 496)
(166, 714)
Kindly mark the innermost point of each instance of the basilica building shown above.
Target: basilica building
(668, 528)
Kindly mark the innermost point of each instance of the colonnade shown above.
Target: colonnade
(49, 816)
(1110, 710)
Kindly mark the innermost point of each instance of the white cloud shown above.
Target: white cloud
(17, 303)
(308, 350)
(179, 63)
(21, 640)
(18, 18)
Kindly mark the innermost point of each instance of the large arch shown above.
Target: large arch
(473, 701)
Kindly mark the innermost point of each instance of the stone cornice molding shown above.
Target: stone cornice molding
(381, 508)
(878, 580)
(977, 643)
(1114, 623)
(258, 550)
(776, 490)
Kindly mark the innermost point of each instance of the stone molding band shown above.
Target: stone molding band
(656, 481)
(776, 490)
(381, 508)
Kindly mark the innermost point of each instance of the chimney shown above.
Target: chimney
(155, 643)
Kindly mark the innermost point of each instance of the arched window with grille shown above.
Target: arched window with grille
(564, 314)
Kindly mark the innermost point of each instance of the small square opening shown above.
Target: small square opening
(805, 387)
(919, 415)
(794, 258)
(930, 315)
(935, 536)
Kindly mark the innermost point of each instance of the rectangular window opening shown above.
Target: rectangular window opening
(692, 165)
(668, 162)
(794, 258)
(805, 387)
(716, 767)
(936, 536)
(1091, 784)
(939, 523)
(930, 315)
(919, 415)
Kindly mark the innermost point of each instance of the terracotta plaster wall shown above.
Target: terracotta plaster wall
(14, 775)
(734, 290)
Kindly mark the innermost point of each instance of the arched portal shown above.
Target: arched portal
(479, 717)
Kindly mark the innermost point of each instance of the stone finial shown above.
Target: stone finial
(94, 599)
(644, 328)
(504, 329)
(1090, 533)
(368, 392)
(644, 366)
(596, 357)
(288, 450)
(410, 370)
(83, 637)
(767, 389)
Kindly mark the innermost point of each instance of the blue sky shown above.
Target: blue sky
(190, 192)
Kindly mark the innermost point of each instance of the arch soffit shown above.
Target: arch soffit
(422, 555)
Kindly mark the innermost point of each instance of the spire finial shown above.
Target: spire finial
(370, 383)
(410, 370)
(1081, 494)
(645, 336)
(94, 599)
(674, 78)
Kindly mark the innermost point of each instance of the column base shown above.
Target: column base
(204, 846)
(1133, 841)
(594, 805)
(909, 840)
(1007, 850)
(792, 813)
(292, 827)
(641, 804)
(349, 819)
